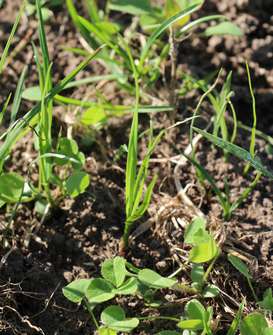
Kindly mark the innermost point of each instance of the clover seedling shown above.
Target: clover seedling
(204, 249)
(118, 278)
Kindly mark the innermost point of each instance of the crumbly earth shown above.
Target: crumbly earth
(39, 259)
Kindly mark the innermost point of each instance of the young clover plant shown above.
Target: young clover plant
(118, 278)
(204, 250)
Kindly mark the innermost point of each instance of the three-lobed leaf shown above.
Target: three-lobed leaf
(114, 270)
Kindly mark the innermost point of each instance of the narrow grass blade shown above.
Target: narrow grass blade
(4, 109)
(18, 96)
(19, 128)
(236, 151)
(165, 25)
(236, 321)
(210, 179)
(187, 27)
(75, 18)
(8, 44)
(254, 125)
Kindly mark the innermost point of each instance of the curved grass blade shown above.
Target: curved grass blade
(8, 44)
(18, 96)
(236, 151)
(165, 25)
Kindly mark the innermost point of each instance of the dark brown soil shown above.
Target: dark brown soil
(39, 259)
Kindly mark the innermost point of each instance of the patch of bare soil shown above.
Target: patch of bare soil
(74, 240)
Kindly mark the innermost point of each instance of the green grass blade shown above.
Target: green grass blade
(210, 179)
(92, 10)
(19, 128)
(8, 44)
(245, 193)
(236, 151)
(131, 164)
(75, 18)
(254, 125)
(42, 37)
(187, 27)
(4, 109)
(165, 25)
(236, 321)
(18, 96)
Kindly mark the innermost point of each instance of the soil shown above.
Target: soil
(41, 257)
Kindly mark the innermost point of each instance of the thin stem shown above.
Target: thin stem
(211, 265)
(91, 313)
(252, 289)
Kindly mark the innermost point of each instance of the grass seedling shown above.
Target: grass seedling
(136, 198)
(46, 112)
(253, 130)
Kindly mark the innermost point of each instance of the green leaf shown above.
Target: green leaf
(224, 28)
(77, 183)
(76, 290)
(268, 331)
(195, 310)
(11, 187)
(236, 151)
(46, 13)
(253, 324)
(154, 280)
(134, 7)
(99, 291)
(193, 325)
(93, 116)
(239, 265)
(32, 93)
(107, 331)
(114, 270)
(210, 291)
(204, 251)
(197, 273)
(168, 332)
(129, 287)
(114, 318)
(267, 302)
(192, 228)
(69, 148)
